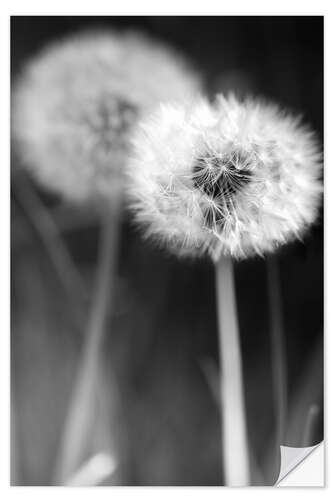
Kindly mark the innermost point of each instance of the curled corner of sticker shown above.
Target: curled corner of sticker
(291, 457)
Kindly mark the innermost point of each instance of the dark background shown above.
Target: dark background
(162, 337)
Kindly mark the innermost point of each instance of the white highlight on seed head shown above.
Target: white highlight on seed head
(236, 178)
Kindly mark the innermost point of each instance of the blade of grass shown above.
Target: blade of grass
(53, 242)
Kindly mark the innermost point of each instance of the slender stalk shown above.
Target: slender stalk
(212, 376)
(47, 230)
(65, 218)
(15, 479)
(310, 426)
(234, 433)
(279, 362)
(80, 417)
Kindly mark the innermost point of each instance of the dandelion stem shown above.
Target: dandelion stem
(279, 361)
(234, 434)
(80, 417)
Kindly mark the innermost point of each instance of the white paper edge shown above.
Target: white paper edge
(304, 467)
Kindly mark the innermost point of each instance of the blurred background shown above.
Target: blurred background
(160, 353)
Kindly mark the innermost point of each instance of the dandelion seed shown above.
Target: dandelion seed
(239, 178)
(76, 103)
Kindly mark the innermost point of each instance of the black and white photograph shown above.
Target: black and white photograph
(167, 249)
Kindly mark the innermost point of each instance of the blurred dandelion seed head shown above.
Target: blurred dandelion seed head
(77, 102)
(236, 178)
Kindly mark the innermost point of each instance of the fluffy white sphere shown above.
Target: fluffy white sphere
(238, 178)
(76, 103)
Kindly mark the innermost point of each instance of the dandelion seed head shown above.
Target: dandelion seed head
(236, 178)
(77, 102)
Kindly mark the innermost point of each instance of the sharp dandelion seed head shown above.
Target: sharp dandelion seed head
(77, 102)
(237, 178)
